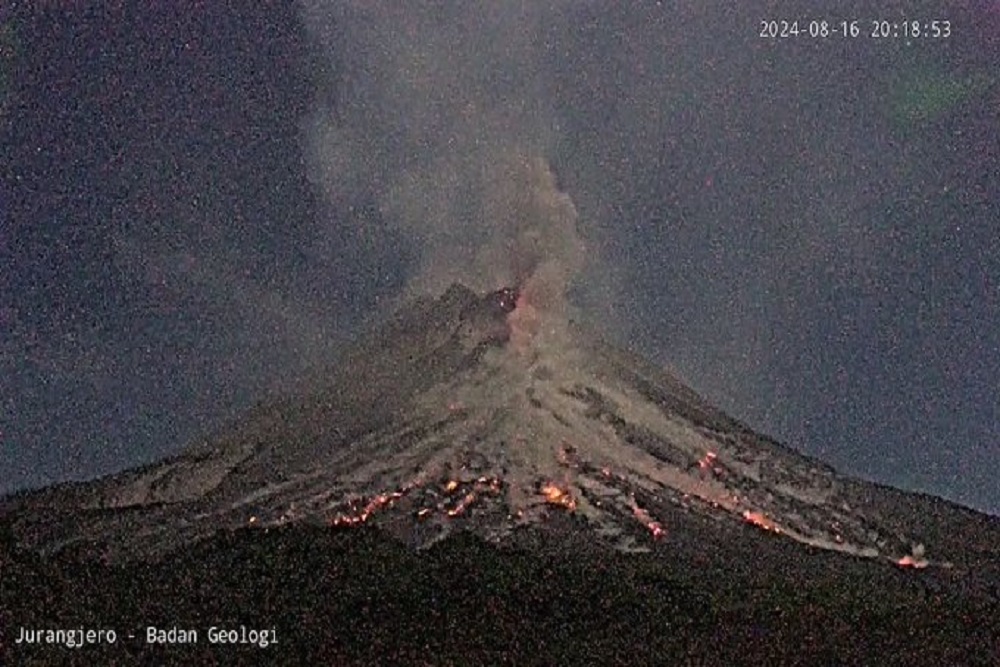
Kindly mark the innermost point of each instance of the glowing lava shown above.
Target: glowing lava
(761, 520)
(655, 528)
(556, 496)
(463, 505)
(707, 462)
(909, 561)
(359, 516)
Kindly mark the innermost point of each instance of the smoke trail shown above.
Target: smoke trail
(440, 117)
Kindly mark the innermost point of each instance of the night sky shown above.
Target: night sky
(200, 205)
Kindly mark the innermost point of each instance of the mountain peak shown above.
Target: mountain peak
(479, 412)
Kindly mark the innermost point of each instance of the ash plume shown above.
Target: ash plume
(439, 117)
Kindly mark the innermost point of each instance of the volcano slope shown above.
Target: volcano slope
(477, 482)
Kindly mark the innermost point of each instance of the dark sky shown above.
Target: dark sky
(199, 204)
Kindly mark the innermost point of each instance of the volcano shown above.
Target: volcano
(453, 418)
(481, 479)
(474, 429)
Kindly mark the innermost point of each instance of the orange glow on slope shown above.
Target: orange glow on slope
(357, 517)
(706, 462)
(491, 484)
(359, 510)
(761, 520)
(910, 561)
(462, 505)
(656, 528)
(556, 496)
(483, 484)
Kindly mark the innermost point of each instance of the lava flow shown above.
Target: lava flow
(761, 520)
(359, 516)
(655, 528)
(557, 496)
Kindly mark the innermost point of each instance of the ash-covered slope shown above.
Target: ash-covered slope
(476, 412)
(490, 411)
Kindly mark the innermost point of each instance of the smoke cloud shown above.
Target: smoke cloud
(439, 116)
